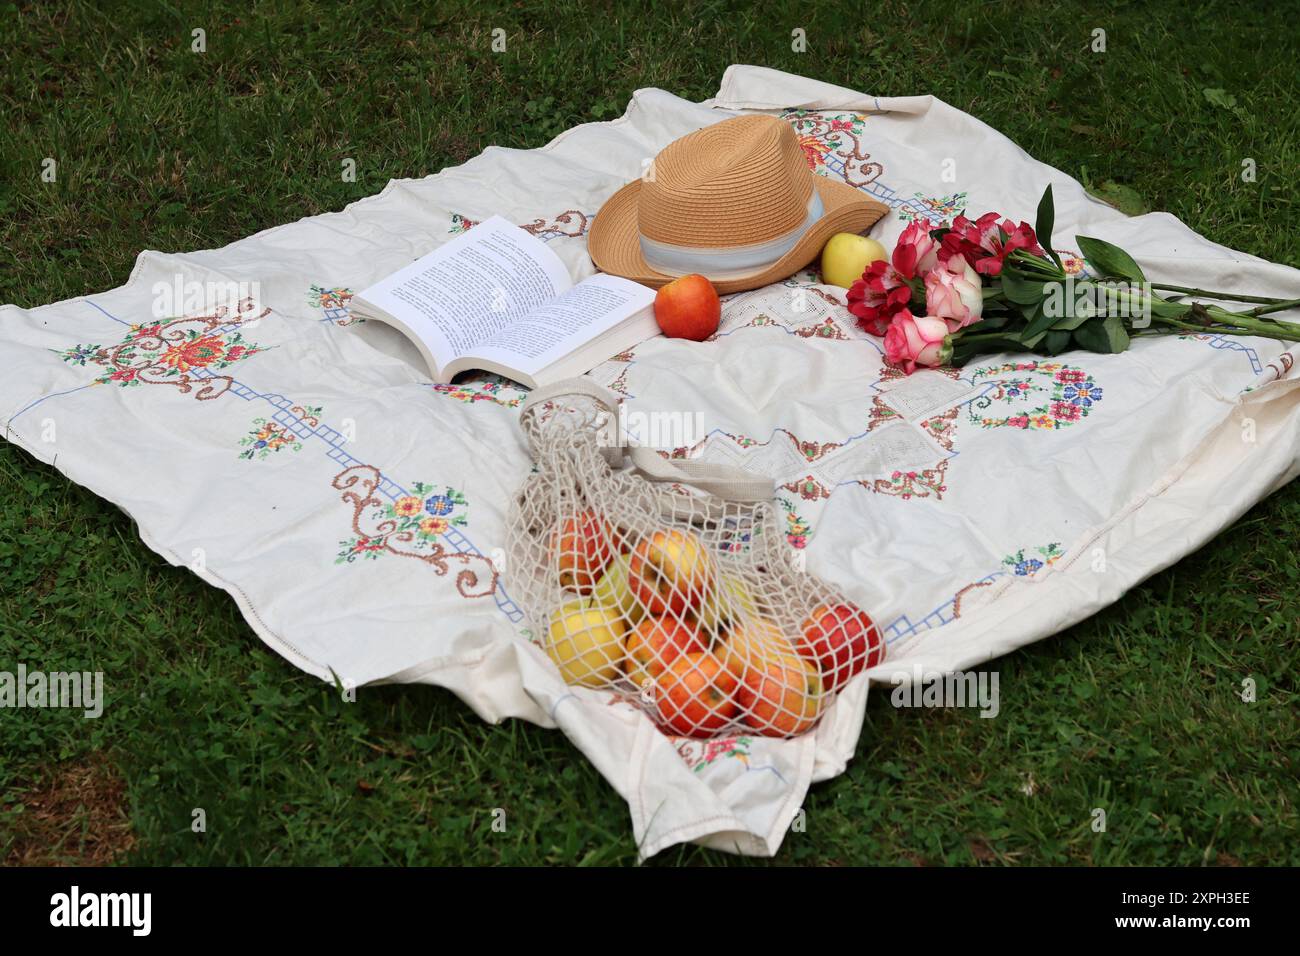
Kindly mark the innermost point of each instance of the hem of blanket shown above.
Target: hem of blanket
(728, 97)
(286, 649)
(245, 604)
(721, 831)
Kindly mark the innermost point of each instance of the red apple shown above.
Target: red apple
(695, 695)
(654, 644)
(781, 696)
(581, 548)
(688, 308)
(843, 641)
(671, 572)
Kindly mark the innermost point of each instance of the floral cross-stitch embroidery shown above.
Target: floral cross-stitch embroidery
(832, 144)
(1069, 394)
(410, 526)
(797, 529)
(267, 436)
(1022, 566)
(915, 484)
(935, 209)
(415, 520)
(182, 352)
(334, 303)
(699, 754)
(497, 392)
(569, 224)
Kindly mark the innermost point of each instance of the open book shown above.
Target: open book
(495, 298)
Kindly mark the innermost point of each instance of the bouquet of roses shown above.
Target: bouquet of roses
(970, 288)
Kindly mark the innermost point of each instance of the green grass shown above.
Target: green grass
(1136, 710)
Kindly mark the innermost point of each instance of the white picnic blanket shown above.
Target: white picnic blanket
(279, 454)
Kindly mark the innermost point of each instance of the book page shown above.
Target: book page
(473, 288)
(556, 328)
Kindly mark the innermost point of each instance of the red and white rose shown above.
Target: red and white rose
(953, 293)
(915, 340)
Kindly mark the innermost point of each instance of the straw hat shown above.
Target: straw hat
(735, 202)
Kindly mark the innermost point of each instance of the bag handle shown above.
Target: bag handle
(723, 481)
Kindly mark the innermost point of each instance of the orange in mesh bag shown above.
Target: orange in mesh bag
(670, 581)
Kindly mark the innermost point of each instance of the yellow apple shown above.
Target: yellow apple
(727, 604)
(753, 644)
(671, 572)
(586, 643)
(612, 591)
(846, 256)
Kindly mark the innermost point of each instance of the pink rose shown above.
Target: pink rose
(953, 293)
(911, 341)
(877, 296)
(915, 253)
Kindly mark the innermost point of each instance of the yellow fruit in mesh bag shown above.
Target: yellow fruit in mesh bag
(729, 603)
(671, 572)
(752, 643)
(586, 643)
(614, 592)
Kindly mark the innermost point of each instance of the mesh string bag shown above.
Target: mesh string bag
(670, 581)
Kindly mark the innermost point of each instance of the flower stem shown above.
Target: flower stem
(982, 337)
(1235, 323)
(1209, 294)
(1280, 306)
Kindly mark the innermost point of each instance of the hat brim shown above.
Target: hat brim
(614, 241)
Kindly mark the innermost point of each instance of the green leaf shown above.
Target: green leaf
(1091, 337)
(1036, 326)
(1104, 335)
(1016, 288)
(1072, 320)
(1056, 341)
(1116, 333)
(1044, 222)
(1073, 311)
(1220, 97)
(1037, 321)
(1110, 261)
(1118, 196)
(962, 354)
(993, 321)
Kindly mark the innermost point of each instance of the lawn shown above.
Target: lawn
(1137, 710)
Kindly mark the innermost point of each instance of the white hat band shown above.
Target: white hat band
(727, 262)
